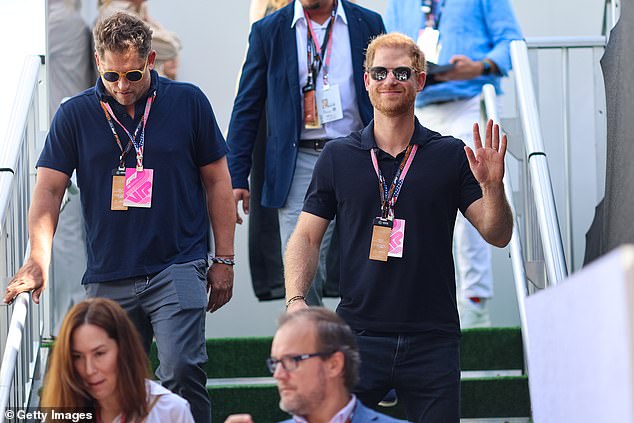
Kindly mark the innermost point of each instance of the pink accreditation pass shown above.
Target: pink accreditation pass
(397, 236)
(137, 191)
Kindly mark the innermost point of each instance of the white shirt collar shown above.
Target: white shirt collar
(299, 13)
(341, 417)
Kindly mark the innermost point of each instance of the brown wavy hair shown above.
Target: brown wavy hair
(121, 32)
(63, 387)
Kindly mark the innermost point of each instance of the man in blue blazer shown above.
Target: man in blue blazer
(315, 362)
(304, 67)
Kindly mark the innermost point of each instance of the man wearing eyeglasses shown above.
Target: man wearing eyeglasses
(306, 52)
(150, 163)
(395, 188)
(315, 361)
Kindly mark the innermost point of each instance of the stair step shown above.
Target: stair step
(481, 349)
(482, 398)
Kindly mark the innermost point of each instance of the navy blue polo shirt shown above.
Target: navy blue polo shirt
(415, 293)
(180, 137)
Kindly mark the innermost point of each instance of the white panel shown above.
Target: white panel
(580, 354)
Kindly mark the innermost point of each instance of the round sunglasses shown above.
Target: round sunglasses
(131, 75)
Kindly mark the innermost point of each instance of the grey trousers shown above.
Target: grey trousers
(289, 214)
(170, 306)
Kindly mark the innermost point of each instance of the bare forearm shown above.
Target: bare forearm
(43, 219)
(300, 265)
(497, 218)
(222, 212)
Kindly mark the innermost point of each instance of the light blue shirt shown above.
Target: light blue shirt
(478, 29)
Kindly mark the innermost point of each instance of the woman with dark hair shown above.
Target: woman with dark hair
(99, 366)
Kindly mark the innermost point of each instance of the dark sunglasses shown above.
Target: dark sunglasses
(402, 73)
(131, 75)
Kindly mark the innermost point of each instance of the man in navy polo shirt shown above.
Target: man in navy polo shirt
(397, 277)
(150, 162)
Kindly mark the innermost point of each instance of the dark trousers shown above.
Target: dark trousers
(170, 306)
(423, 368)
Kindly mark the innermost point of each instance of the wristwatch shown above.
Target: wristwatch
(486, 67)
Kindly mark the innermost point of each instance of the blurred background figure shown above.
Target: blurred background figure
(166, 43)
(294, 142)
(99, 366)
(261, 8)
(265, 245)
(70, 59)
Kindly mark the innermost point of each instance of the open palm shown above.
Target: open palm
(487, 162)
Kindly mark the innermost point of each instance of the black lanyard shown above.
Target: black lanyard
(389, 195)
(315, 64)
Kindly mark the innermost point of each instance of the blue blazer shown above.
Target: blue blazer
(270, 80)
(363, 414)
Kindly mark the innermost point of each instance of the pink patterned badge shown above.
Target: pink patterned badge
(138, 188)
(397, 236)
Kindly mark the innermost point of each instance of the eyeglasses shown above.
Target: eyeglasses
(290, 362)
(131, 75)
(402, 73)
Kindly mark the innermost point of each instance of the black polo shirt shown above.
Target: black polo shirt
(415, 293)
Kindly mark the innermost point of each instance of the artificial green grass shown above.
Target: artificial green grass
(480, 398)
(481, 349)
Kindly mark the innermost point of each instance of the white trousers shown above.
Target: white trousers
(473, 253)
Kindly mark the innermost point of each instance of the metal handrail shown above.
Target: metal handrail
(10, 156)
(538, 166)
(12, 348)
(565, 42)
(10, 152)
(515, 245)
(611, 12)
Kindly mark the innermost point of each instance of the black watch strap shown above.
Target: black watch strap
(486, 67)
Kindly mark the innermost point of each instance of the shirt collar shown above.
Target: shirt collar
(341, 417)
(421, 135)
(299, 13)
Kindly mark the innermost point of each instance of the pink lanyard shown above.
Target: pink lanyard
(390, 196)
(329, 33)
(138, 146)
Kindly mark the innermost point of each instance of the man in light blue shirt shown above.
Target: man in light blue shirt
(474, 36)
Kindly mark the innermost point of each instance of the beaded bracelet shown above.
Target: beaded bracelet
(220, 260)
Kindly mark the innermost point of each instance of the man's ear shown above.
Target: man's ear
(335, 364)
(97, 61)
(422, 77)
(366, 81)
(150, 59)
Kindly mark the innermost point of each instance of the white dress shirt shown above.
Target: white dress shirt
(339, 72)
(341, 417)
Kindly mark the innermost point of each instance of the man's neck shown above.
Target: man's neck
(130, 109)
(333, 404)
(321, 14)
(393, 133)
